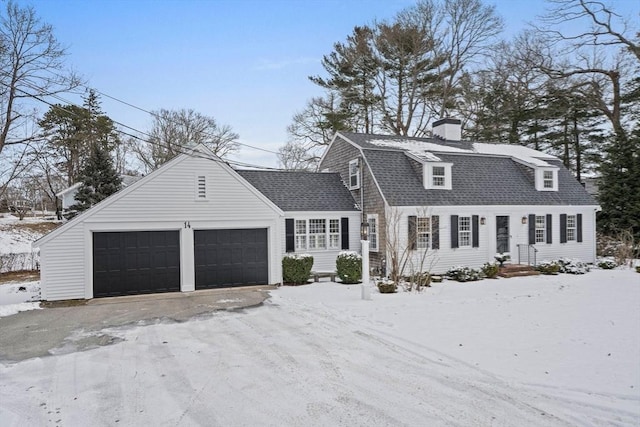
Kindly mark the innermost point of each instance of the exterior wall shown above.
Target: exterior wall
(324, 260)
(67, 259)
(368, 196)
(439, 261)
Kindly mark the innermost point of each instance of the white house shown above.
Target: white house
(195, 223)
(457, 202)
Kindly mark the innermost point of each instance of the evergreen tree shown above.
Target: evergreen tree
(99, 180)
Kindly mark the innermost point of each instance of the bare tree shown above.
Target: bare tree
(31, 65)
(295, 157)
(174, 130)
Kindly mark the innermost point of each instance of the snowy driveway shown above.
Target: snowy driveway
(318, 355)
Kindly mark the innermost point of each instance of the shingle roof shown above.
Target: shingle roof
(302, 191)
(477, 178)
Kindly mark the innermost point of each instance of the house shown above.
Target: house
(450, 202)
(68, 195)
(222, 228)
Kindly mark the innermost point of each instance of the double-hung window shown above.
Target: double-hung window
(334, 234)
(301, 235)
(571, 228)
(464, 231)
(317, 234)
(438, 175)
(354, 174)
(547, 179)
(372, 219)
(540, 229)
(423, 233)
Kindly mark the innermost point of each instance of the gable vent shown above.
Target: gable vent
(202, 187)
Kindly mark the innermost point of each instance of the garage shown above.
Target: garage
(230, 257)
(135, 262)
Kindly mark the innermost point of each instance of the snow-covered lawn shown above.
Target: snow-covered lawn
(19, 296)
(540, 351)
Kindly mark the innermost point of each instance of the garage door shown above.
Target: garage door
(137, 262)
(225, 258)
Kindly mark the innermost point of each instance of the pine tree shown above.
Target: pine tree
(99, 180)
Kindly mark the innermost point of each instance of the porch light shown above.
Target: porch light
(364, 231)
(482, 220)
(524, 219)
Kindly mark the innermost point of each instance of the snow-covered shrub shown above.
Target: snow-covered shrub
(436, 279)
(349, 267)
(296, 268)
(548, 267)
(490, 270)
(572, 266)
(386, 286)
(421, 280)
(464, 274)
(607, 264)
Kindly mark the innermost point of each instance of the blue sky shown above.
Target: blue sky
(244, 62)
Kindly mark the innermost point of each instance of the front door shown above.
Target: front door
(502, 234)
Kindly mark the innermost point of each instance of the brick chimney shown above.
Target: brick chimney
(448, 129)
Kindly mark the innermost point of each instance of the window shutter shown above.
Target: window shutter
(532, 229)
(579, 227)
(563, 228)
(412, 233)
(435, 232)
(344, 230)
(549, 229)
(475, 232)
(454, 231)
(290, 237)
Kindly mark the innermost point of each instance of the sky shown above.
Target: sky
(244, 62)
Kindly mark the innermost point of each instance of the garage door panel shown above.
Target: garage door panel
(230, 257)
(139, 262)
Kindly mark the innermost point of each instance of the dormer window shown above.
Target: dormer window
(354, 175)
(547, 179)
(437, 175)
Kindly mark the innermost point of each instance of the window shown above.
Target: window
(571, 228)
(547, 179)
(540, 229)
(423, 233)
(201, 187)
(334, 234)
(464, 231)
(301, 234)
(372, 219)
(317, 234)
(438, 175)
(354, 174)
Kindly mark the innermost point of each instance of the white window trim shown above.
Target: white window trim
(543, 228)
(540, 172)
(330, 234)
(428, 175)
(574, 228)
(461, 231)
(429, 233)
(296, 235)
(374, 232)
(355, 162)
(327, 234)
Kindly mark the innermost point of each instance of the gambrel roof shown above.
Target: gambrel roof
(302, 191)
(482, 174)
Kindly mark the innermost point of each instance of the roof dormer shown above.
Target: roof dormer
(546, 178)
(437, 175)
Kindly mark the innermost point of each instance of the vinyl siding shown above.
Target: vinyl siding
(164, 200)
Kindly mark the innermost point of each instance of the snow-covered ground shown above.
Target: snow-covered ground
(19, 296)
(540, 351)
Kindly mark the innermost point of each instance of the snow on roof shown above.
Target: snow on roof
(425, 150)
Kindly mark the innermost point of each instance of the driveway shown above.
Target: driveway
(64, 328)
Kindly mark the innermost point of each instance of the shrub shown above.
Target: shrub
(637, 268)
(572, 266)
(387, 287)
(548, 267)
(421, 280)
(296, 268)
(464, 274)
(349, 267)
(607, 264)
(436, 279)
(490, 270)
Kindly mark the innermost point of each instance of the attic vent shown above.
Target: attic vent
(202, 187)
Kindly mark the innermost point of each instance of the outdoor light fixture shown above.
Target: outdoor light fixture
(482, 220)
(364, 231)
(524, 219)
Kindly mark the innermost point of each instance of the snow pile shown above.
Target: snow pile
(16, 297)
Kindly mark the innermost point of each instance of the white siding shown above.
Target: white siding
(325, 260)
(164, 200)
(439, 261)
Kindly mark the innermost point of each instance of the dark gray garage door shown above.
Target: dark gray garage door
(227, 258)
(135, 262)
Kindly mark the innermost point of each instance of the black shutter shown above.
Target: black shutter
(413, 233)
(549, 229)
(532, 229)
(454, 231)
(435, 232)
(579, 227)
(475, 232)
(563, 228)
(344, 230)
(290, 236)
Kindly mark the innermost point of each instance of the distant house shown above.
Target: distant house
(196, 223)
(68, 195)
(463, 202)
